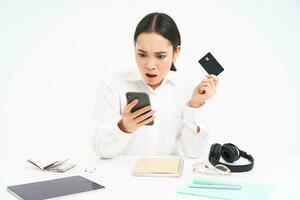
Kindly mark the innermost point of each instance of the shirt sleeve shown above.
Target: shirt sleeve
(195, 132)
(109, 140)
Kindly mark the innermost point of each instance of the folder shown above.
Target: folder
(248, 191)
(170, 166)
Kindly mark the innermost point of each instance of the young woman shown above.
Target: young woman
(177, 108)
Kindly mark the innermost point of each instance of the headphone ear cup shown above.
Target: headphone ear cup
(215, 151)
(230, 152)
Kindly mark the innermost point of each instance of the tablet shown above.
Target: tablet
(53, 188)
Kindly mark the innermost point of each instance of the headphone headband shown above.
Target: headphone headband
(214, 159)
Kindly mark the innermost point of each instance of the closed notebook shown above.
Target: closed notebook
(158, 166)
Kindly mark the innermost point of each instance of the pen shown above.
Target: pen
(51, 165)
(209, 181)
(215, 186)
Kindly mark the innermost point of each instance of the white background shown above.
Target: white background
(53, 55)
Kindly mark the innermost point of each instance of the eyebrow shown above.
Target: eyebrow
(159, 52)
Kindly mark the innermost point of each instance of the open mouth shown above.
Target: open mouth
(151, 75)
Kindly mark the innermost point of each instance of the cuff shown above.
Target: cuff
(121, 135)
(193, 118)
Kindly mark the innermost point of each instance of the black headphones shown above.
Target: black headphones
(230, 153)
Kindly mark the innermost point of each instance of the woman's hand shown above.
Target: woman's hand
(130, 122)
(204, 91)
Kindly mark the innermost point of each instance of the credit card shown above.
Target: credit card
(210, 64)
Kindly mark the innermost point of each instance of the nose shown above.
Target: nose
(150, 64)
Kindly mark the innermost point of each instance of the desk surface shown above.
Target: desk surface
(115, 175)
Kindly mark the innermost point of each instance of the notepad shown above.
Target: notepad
(158, 166)
(248, 191)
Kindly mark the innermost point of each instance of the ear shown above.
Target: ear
(176, 52)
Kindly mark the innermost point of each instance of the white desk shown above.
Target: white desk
(115, 175)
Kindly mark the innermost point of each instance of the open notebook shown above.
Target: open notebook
(158, 166)
(52, 163)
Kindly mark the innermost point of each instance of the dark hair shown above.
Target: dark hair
(161, 24)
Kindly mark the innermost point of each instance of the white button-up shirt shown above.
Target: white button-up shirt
(175, 127)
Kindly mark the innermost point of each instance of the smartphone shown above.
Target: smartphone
(143, 98)
(210, 64)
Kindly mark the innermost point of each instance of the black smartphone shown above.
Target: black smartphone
(210, 64)
(143, 98)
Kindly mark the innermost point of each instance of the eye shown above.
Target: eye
(142, 55)
(160, 56)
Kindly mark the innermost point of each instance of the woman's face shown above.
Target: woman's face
(154, 55)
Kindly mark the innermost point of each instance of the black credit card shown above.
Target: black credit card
(211, 65)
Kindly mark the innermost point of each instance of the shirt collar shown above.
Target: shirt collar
(135, 75)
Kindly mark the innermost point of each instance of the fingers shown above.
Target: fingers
(141, 118)
(141, 111)
(202, 88)
(208, 82)
(214, 78)
(211, 76)
(129, 106)
(146, 121)
(132, 121)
